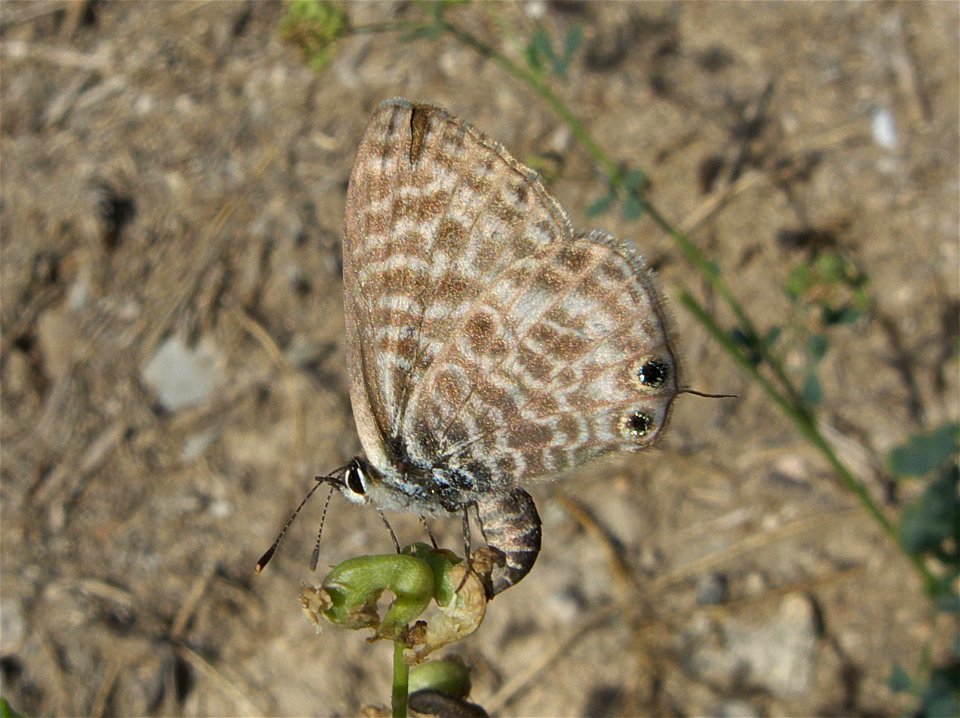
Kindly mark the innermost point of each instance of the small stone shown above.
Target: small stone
(181, 376)
(884, 129)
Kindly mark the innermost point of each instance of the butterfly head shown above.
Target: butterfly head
(361, 483)
(353, 481)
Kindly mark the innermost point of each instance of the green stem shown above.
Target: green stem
(536, 81)
(723, 339)
(805, 422)
(709, 270)
(401, 682)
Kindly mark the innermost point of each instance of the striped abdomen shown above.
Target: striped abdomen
(511, 525)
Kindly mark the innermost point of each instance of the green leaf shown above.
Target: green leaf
(817, 346)
(948, 603)
(812, 391)
(6, 710)
(750, 343)
(314, 27)
(540, 49)
(635, 179)
(899, 680)
(840, 315)
(915, 536)
(799, 281)
(572, 41)
(924, 452)
(941, 698)
(832, 268)
(570, 46)
(533, 59)
(929, 521)
(601, 205)
(633, 207)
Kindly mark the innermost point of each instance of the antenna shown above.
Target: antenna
(265, 559)
(708, 396)
(315, 556)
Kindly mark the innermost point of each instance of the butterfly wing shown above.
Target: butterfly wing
(436, 212)
(565, 357)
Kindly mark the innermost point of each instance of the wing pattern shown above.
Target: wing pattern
(435, 212)
(486, 339)
(552, 367)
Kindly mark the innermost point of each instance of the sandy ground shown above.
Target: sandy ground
(175, 173)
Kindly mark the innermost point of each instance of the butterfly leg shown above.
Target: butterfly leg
(396, 543)
(426, 527)
(467, 551)
(510, 524)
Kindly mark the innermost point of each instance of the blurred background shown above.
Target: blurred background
(173, 367)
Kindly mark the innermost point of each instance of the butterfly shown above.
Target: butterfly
(490, 345)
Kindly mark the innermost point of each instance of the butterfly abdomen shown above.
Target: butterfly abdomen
(511, 525)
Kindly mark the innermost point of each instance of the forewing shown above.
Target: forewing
(565, 357)
(436, 212)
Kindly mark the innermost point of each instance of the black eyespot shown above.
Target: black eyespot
(354, 482)
(654, 373)
(638, 423)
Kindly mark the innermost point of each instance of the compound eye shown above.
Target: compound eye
(355, 480)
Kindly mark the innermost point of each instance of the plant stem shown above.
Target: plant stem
(536, 81)
(401, 682)
(806, 424)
